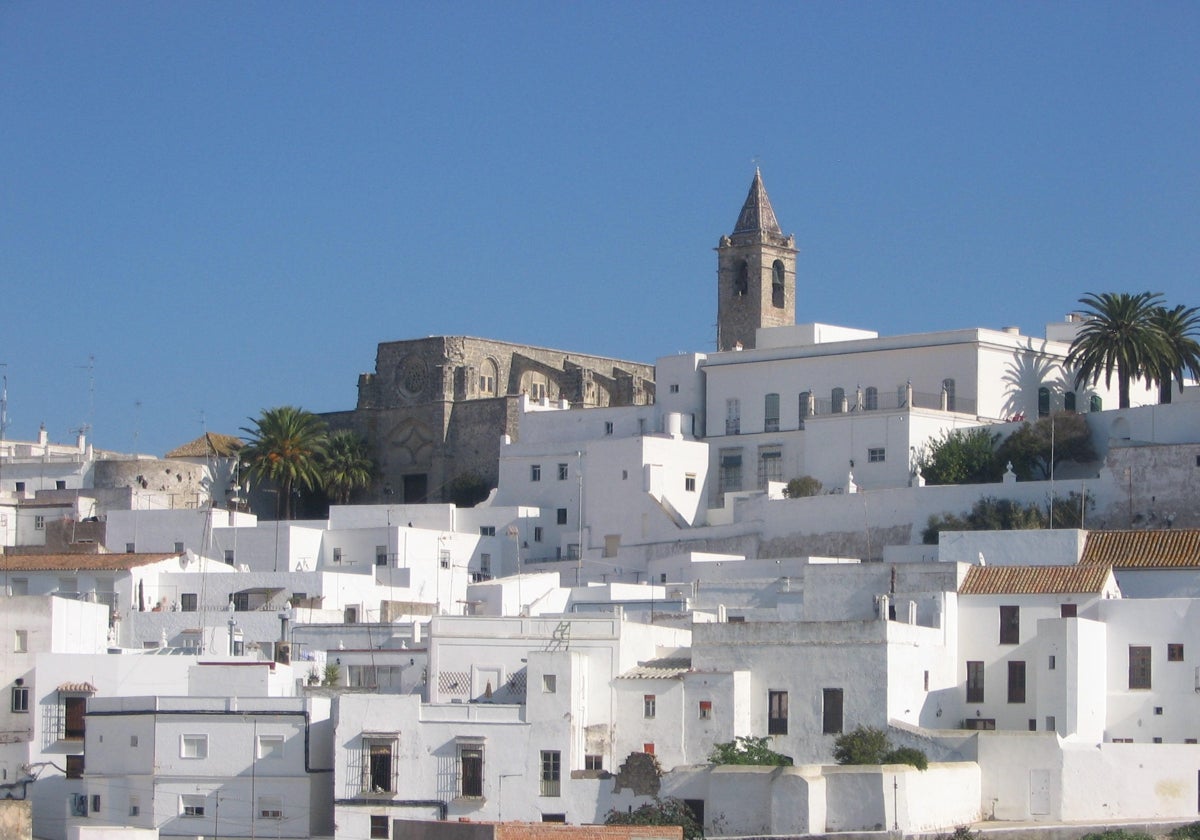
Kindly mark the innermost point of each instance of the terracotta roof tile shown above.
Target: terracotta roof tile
(1034, 580)
(1143, 549)
(77, 562)
(659, 669)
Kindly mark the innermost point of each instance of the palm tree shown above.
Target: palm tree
(285, 447)
(347, 466)
(1118, 333)
(1182, 351)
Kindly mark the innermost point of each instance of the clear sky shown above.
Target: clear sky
(228, 205)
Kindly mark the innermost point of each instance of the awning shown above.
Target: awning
(77, 688)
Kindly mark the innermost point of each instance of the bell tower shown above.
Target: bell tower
(756, 273)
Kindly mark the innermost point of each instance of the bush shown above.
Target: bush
(1116, 834)
(963, 456)
(962, 832)
(907, 755)
(745, 749)
(864, 745)
(868, 745)
(669, 811)
(1191, 831)
(992, 514)
(803, 486)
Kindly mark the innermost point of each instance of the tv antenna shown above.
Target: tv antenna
(86, 427)
(4, 401)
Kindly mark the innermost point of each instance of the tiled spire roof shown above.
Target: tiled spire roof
(757, 213)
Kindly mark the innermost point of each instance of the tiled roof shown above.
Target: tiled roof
(77, 688)
(1143, 549)
(659, 669)
(209, 443)
(757, 213)
(77, 562)
(1034, 580)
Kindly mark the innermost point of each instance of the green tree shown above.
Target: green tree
(1181, 351)
(992, 514)
(1119, 333)
(746, 749)
(803, 486)
(467, 489)
(285, 447)
(1064, 436)
(668, 811)
(962, 456)
(347, 465)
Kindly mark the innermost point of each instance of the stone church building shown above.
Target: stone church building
(435, 409)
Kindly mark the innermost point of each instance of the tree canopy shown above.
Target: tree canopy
(284, 447)
(667, 811)
(747, 749)
(1181, 351)
(1119, 335)
(347, 465)
(869, 745)
(1035, 447)
(961, 456)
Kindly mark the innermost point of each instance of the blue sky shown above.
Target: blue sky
(228, 205)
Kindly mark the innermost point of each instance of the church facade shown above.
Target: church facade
(436, 409)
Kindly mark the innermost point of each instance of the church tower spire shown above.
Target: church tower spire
(756, 273)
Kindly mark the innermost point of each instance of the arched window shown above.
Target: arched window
(487, 378)
(1043, 401)
(777, 284)
(871, 399)
(1069, 401)
(948, 387)
(838, 397)
(771, 413)
(741, 279)
(1096, 404)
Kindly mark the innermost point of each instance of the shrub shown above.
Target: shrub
(907, 755)
(746, 749)
(803, 486)
(669, 811)
(1191, 831)
(1116, 834)
(868, 745)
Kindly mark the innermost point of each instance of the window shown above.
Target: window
(876, 455)
(20, 698)
(379, 826)
(871, 399)
(129, 548)
(337, 555)
(770, 467)
(741, 279)
(554, 818)
(95, 803)
(1050, 723)
(593, 762)
(948, 391)
(551, 772)
(1043, 401)
(562, 472)
(649, 705)
(178, 547)
(1053, 663)
(68, 586)
(20, 641)
(135, 806)
(561, 516)
(1069, 401)
(1033, 724)
(20, 486)
(1010, 625)
(485, 564)
(470, 770)
(381, 555)
(1174, 652)
(733, 417)
(1158, 710)
(771, 413)
(191, 805)
(74, 767)
(74, 709)
(270, 808)
(805, 407)
(1016, 681)
(975, 682)
(270, 746)
(1095, 403)
(1068, 610)
(673, 388)
(777, 712)
(187, 602)
(487, 530)
(39, 523)
(689, 483)
(705, 710)
(608, 427)
(535, 472)
(648, 748)
(241, 600)
(133, 740)
(193, 746)
(537, 533)
(729, 477)
(444, 558)
(549, 683)
(777, 284)
(838, 398)
(831, 710)
(378, 767)
(1139, 667)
